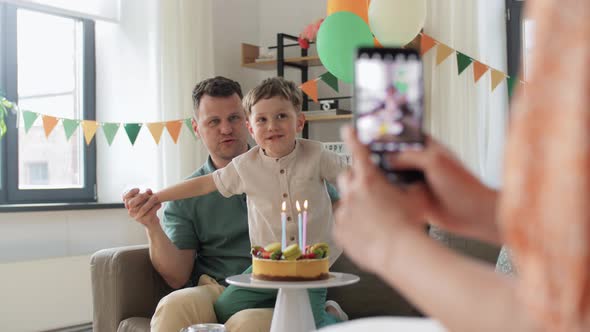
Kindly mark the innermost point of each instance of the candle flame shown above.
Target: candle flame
(305, 204)
(284, 206)
(298, 206)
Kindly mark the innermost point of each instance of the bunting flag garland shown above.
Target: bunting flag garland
(156, 129)
(330, 80)
(110, 130)
(497, 78)
(463, 61)
(173, 128)
(479, 69)
(29, 118)
(426, 44)
(311, 89)
(511, 85)
(189, 124)
(70, 127)
(442, 53)
(49, 122)
(89, 127)
(132, 130)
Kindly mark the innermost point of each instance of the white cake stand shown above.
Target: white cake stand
(292, 310)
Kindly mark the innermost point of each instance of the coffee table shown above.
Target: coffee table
(292, 310)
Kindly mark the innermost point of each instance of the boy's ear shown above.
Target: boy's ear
(249, 127)
(300, 121)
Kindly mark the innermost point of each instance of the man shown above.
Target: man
(202, 240)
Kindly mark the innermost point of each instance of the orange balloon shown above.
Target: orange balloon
(358, 7)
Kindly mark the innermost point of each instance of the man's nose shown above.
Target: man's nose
(226, 127)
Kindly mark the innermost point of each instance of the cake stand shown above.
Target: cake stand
(292, 310)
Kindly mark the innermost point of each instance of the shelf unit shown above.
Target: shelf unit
(302, 62)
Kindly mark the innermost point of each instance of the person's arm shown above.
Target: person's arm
(197, 186)
(173, 264)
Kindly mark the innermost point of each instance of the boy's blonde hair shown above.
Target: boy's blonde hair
(273, 87)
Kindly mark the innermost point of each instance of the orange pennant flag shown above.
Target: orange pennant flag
(49, 122)
(426, 44)
(311, 89)
(89, 128)
(173, 128)
(443, 52)
(478, 70)
(156, 129)
(497, 78)
(377, 43)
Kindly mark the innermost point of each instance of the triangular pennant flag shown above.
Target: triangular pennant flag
(49, 122)
(426, 44)
(189, 124)
(69, 127)
(311, 89)
(377, 43)
(110, 130)
(478, 70)
(132, 130)
(173, 128)
(442, 53)
(497, 78)
(463, 61)
(156, 129)
(29, 118)
(511, 85)
(331, 80)
(89, 128)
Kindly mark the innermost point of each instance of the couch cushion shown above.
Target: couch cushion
(370, 296)
(134, 324)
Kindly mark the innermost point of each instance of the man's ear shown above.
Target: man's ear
(300, 121)
(195, 127)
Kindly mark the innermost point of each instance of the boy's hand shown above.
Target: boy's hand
(142, 206)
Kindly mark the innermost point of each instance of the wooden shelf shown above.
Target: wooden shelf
(251, 52)
(327, 117)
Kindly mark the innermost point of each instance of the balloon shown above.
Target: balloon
(339, 36)
(359, 7)
(396, 22)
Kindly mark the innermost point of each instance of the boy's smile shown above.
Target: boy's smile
(274, 124)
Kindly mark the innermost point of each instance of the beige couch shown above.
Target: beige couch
(126, 290)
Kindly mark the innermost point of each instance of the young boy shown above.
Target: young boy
(281, 168)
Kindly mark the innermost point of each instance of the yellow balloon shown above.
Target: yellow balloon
(396, 22)
(358, 7)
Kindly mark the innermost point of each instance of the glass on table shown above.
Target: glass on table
(204, 328)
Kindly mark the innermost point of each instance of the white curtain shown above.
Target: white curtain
(185, 56)
(469, 118)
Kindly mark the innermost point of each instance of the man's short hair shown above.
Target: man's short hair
(273, 87)
(218, 86)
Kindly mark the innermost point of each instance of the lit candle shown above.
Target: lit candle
(299, 224)
(283, 226)
(304, 225)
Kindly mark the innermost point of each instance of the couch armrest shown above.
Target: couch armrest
(124, 284)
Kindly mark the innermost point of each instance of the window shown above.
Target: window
(520, 38)
(46, 66)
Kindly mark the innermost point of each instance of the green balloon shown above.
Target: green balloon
(338, 38)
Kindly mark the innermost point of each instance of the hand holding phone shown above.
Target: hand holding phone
(389, 103)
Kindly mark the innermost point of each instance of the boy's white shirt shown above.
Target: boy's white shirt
(300, 175)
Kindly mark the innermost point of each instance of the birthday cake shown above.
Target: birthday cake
(291, 264)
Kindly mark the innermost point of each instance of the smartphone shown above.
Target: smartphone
(389, 105)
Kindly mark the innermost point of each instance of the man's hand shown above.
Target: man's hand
(142, 206)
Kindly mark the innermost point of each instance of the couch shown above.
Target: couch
(126, 290)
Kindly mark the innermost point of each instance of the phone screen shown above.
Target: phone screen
(389, 100)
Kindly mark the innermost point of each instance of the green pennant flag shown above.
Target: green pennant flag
(69, 127)
(110, 130)
(189, 124)
(511, 85)
(29, 118)
(331, 80)
(132, 130)
(463, 61)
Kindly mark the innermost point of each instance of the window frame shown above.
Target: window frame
(9, 191)
(514, 15)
